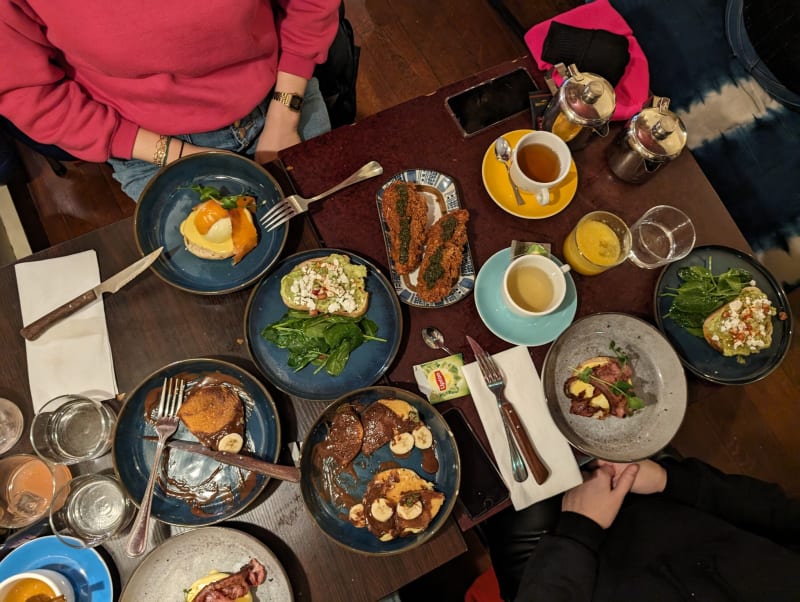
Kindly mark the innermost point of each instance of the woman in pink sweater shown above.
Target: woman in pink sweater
(140, 83)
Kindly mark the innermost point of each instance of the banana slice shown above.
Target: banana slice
(386, 537)
(402, 443)
(232, 442)
(423, 438)
(356, 516)
(381, 510)
(410, 511)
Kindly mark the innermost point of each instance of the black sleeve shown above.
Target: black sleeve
(759, 507)
(563, 566)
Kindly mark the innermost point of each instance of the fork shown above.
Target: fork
(166, 424)
(295, 204)
(515, 431)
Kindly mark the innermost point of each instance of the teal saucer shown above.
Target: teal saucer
(509, 326)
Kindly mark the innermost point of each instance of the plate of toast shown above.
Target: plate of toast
(425, 231)
(739, 338)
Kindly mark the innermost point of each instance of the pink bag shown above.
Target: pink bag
(633, 88)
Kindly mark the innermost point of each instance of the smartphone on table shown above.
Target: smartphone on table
(482, 488)
(492, 101)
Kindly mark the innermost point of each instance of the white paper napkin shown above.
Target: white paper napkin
(74, 355)
(524, 391)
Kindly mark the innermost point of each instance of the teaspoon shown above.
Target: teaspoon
(434, 339)
(502, 152)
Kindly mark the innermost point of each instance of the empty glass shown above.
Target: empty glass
(72, 428)
(95, 509)
(662, 235)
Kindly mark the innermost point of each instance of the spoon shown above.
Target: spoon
(434, 339)
(502, 152)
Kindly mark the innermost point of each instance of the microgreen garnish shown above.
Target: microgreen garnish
(620, 387)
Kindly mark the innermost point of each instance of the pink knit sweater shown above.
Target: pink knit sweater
(86, 74)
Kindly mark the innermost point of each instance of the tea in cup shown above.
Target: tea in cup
(539, 162)
(37, 584)
(534, 285)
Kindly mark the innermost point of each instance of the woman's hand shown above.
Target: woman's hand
(600, 496)
(651, 478)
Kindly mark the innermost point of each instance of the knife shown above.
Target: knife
(511, 420)
(35, 329)
(279, 471)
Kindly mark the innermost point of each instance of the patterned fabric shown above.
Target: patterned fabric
(744, 140)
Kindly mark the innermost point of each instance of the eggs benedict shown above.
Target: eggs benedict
(212, 231)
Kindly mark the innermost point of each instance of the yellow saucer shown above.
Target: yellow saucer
(497, 184)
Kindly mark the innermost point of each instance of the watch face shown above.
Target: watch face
(296, 102)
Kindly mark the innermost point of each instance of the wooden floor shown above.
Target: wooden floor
(413, 47)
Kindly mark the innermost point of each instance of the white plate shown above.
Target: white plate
(441, 195)
(183, 559)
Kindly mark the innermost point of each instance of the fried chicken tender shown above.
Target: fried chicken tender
(441, 262)
(406, 214)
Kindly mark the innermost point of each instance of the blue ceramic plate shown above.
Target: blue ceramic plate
(441, 195)
(167, 200)
(697, 355)
(367, 363)
(84, 567)
(197, 487)
(509, 326)
(332, 518)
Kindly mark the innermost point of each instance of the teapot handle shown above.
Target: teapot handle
(602, 130)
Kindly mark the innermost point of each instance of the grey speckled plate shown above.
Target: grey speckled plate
(658, 378)
(181, 560)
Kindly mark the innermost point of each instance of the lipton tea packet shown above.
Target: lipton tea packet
(442, 379)
(521, 247)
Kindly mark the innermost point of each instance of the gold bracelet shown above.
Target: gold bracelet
(162, 148)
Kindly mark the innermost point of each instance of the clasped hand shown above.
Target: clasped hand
(603, 490)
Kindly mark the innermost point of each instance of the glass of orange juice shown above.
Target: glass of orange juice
(600, 240)
(27, 487)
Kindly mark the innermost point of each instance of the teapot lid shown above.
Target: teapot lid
(656, 132)
(586, 98)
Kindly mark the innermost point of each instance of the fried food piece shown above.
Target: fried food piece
(406, 215)
(441, 262)
(215, 415)
(450, 228)
(438, 272)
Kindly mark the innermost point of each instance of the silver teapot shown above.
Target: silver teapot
(581, 106)
(652, 138)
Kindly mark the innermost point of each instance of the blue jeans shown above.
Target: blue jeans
(240, 137)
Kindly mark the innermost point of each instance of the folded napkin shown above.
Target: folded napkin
(524, 391)
(74, 355)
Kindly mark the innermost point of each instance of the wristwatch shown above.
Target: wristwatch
(293, 101)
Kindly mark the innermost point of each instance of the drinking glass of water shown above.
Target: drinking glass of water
(95, 509)
(72, 428)
(662, 235)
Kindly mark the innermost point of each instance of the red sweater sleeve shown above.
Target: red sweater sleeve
(306, 30)
(40, 99)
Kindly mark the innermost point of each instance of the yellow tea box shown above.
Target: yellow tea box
(442, 379)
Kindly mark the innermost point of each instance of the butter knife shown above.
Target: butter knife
(35, 329)
(279, 471)
(515, 430)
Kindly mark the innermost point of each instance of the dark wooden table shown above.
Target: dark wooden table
(152, 324)
(422, 134)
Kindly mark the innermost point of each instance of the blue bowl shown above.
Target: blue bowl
(332, 519)
(168, 199)
(191, 479)
(367, 363)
